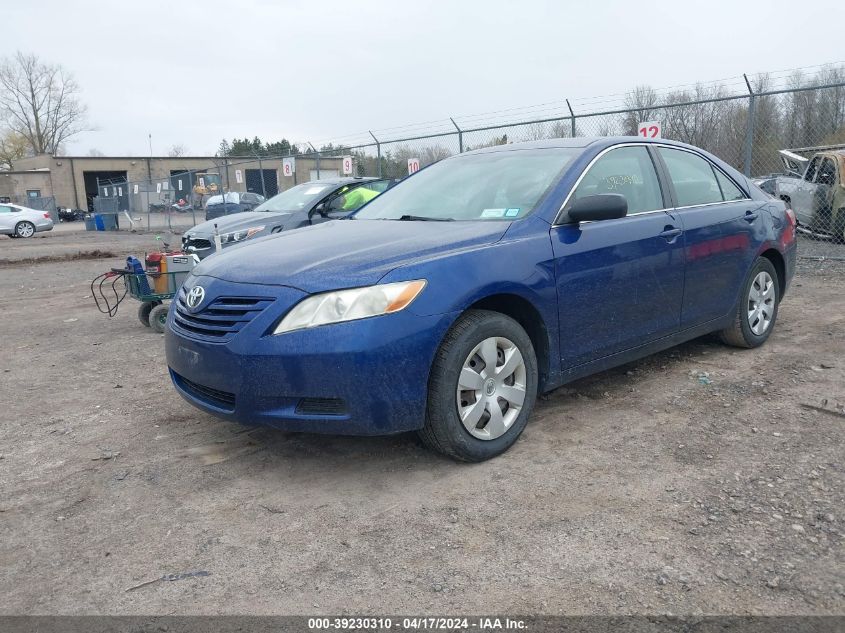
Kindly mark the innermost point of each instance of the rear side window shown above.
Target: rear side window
(627, 171)
(729, 190)
(693, 178)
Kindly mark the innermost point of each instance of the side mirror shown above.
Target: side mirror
(602, 206)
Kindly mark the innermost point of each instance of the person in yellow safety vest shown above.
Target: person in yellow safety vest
(357, 198)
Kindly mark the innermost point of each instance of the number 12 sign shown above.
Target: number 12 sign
(649, 129)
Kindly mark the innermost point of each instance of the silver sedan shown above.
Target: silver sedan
(18, 221)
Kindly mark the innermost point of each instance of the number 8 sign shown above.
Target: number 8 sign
(649, 129)
(288, 167)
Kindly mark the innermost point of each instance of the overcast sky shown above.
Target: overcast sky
(192, 73)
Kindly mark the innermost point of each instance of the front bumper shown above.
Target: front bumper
(366, 377)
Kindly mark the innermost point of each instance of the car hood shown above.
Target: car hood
(344, 253)
(236, 222)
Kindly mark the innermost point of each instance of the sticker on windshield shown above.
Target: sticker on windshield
(312, 190)
(493, 213)
(511, 213)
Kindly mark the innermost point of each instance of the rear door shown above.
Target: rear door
(722, 229)
(619, 282)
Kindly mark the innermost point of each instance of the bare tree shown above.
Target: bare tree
(12, 147)
(176, 151)
(642, 101)
(95, 153)
(40, 101)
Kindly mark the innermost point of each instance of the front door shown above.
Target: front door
(620, 282)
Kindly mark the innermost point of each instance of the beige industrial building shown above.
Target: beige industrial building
(72, 181)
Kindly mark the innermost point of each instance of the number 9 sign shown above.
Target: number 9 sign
(347, 165)
(649, 129)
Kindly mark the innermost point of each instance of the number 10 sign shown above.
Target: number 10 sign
(649, 129)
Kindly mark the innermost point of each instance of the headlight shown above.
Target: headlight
(240, 236)
(348, 305)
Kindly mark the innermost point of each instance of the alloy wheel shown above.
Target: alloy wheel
(25, 229)
(761, 303)
(491, 388)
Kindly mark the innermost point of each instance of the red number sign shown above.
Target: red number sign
(649, 129)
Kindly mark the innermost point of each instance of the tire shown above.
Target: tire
(144, 311)
(461, 350)
(24, 229)
(761, 287)
(158, 317)
(839, 227)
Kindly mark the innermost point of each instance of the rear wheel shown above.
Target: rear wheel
(24, 229)
(144, 311)
(839, 227)
(758, 307)
(482, 388)
(158, 317)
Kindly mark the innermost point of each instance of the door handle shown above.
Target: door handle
(750, 216)
(670, 233)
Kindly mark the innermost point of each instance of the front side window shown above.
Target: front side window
(354, 196)
(501, 185)
(628, 171)
(827, 173)
(692, 176)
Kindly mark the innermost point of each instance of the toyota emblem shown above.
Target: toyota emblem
(195, 297)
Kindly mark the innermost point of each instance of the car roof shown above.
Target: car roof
(577, 142)
(342, 180)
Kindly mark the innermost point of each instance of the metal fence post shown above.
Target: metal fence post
(318, 160)
(261, 170)
(749, 129)
(460, 136)
(378, 152)
(572, 118)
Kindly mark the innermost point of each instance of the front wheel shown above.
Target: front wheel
(758, 307)
(24, 229)
(482, 388)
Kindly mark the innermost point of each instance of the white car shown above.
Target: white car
(18, 221)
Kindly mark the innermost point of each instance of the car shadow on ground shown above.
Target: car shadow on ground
(265, 445)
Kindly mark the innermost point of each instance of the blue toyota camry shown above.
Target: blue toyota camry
(446, 304)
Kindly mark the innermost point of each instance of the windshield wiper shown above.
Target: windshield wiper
(423, 218)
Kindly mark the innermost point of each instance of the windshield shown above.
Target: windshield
(503, 185)
(296, 198)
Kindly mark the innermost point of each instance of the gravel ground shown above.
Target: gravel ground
(699, 480)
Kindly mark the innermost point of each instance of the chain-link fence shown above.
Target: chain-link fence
(788, 133)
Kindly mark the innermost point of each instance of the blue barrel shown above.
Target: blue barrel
(98, 222)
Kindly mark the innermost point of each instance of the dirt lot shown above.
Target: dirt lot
(691, 482)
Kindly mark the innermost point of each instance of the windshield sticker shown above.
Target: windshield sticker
(492, 213)
(511, 213)
(312, 190)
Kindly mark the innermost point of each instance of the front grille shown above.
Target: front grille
(196, 243)
(221, 319)
(321, 406)
(220, 399)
